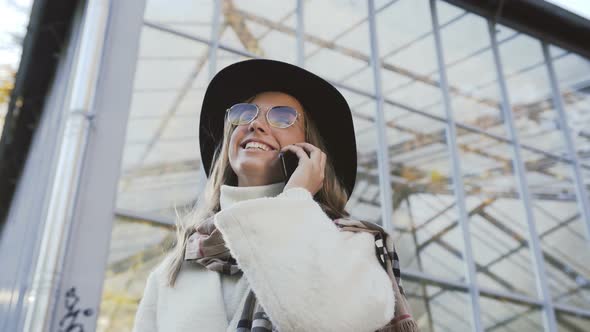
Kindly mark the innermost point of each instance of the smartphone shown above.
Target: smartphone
(289, 162)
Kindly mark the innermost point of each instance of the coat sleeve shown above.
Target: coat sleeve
(145, 317)
(307, 274)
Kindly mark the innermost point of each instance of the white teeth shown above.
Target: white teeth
(256, 145)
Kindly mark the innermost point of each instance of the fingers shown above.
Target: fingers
(299, 151)
(315, 152)
(316, 155)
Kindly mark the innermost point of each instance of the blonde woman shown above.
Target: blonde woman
(269, 250)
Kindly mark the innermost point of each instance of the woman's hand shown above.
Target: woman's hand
(309, 173)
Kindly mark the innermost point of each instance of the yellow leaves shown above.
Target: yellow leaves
(436, 176)
(410, 174)
(6, 87)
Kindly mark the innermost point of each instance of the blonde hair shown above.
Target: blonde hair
(332, 197)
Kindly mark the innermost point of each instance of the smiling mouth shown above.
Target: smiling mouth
(256, 146)
(257, 149)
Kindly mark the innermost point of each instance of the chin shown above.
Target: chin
(258, 167)
(252, 167)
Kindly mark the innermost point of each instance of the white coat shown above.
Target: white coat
(307, 274)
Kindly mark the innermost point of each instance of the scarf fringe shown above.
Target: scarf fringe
(406, 325)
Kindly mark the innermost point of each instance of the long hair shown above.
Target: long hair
(331, 197)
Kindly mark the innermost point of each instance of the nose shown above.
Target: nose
(259, 123)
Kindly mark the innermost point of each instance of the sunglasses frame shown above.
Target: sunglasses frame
(266, 116)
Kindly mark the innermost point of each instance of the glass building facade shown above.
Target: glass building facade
(473, 147)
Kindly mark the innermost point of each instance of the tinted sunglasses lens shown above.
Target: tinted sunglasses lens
(282, 116)
(240, 114)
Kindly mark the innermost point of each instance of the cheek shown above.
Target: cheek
(291, 137)
(301, 133)
(234, 140)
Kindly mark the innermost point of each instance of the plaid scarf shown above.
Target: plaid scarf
(207, 247)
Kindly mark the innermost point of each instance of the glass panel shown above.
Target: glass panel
(499, 230)
(530, 94)
(265, 28)
(425, 214)
(161, 166)
(573, 76)
(572, 323)
(438, 307)
(550, 181)
(365, 201)
(160, 172)
(475, 98)
(189, 16)
(499, 239)
(161, 133)
(406, 45)
(504, 316)
(137, 246)
(562, 234)
(337, 45)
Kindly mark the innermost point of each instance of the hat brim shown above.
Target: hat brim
(321, 101)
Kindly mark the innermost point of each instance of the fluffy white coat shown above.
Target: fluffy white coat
(306, 273)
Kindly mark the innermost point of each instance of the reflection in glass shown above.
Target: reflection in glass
(550, 180)
(337, 47)
(365, 201)
(502, 315)
(499, 239)
(438, 307)
(425, 215)
(161, 166)
(572, 323)
(137, 246)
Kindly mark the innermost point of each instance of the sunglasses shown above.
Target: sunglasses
(277, 116)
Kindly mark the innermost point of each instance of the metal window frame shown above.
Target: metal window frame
(460, 125)
(385, 192)
(451, 135)
(300, 34)
(564, 159)
(385, 178)
(581, 193)
(523, 187)
(212, 58)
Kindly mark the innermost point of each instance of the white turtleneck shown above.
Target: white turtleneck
(234, 287)
(230, 194)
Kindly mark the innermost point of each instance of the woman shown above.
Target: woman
(265, 252)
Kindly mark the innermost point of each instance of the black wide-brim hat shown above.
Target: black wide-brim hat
(321, 102)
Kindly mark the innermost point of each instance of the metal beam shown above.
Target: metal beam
(581, 192)
(383, 157)
(469, 263)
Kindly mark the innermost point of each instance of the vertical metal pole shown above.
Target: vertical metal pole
(22, 235)
(50, 271)
(215, 27)
(581, 193)
(300, 33)
(518, 165)
(382, 151)
(456, 175)
(80, 215)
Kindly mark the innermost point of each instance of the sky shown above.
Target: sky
(580, 7)
(14, 16)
